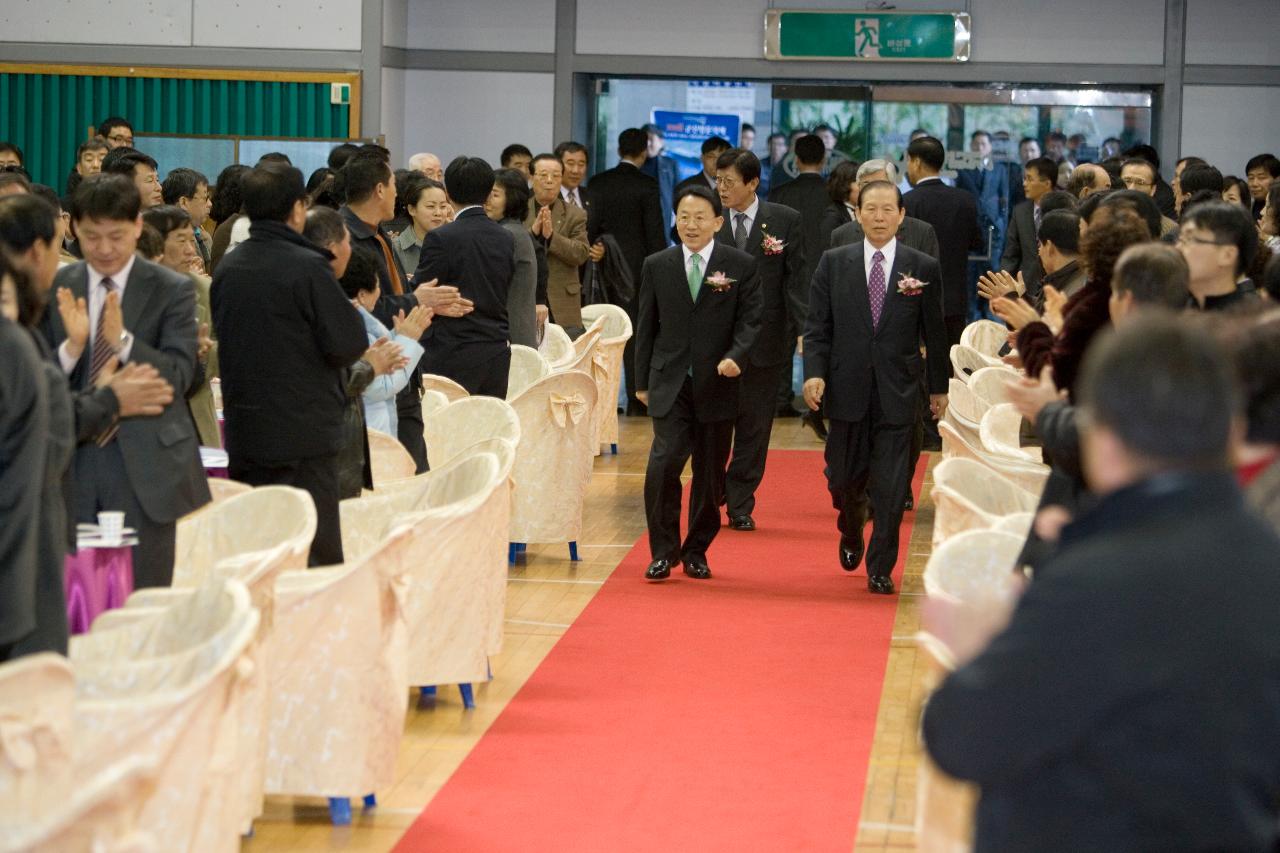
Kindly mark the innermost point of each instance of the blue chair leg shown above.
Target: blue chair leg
(468, 698)
(521, 547)
(340, 811)
(511, 553)
(614, 448)
(428, 691)
(370, 801)
(573, 552)
(488, 669)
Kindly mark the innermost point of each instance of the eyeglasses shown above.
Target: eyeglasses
(725, 183)
(121, 139)
(1135, 182)
(685, 219)
(1184, 239)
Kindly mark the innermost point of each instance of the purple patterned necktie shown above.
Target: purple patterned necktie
(875, 287)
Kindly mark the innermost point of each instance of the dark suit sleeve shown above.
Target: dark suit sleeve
(797, 286)
(646, 324)
(978, 240)
(1056, 426)
(433, 261)
(174, 355)
(929, 242)
(1011, 262)
(746, 325)
(654, 241)
(24, 437)
(818, 322)
(339, 330)
(934, 332)
(998, 717)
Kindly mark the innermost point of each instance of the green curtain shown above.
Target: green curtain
(47, 115)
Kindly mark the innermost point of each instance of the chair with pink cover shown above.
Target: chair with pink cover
(168, 686)
(338, 676)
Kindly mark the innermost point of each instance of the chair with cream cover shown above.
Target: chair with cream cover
(1017, 523)
(457, 595)
(527, 367)
(37, 718)
(964, 411)
(464, 422)
(975, 566)
(556, 344)
(443, 384)
(338, 697)
(584, 350)
(553, 460)
(432, 402)
(614, 335)
(986, 336)
(169, 686)
(968, 496)
(257, 520)
(221, 488)
(965, 361)
(388, 458)
(1021, 472)
(991, 384)
(1001, 432)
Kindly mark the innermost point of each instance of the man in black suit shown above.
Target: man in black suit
(133, 311)
(772, 234)
(625, 204)
(283, 349)
(869, 308)
(1145, 737)
(1021, 249)
(662, 167)
(699, 315)
(712, 148)
(953, 213)
(915, 233)
(476, 255)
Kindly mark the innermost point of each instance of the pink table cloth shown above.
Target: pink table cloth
(97, 579)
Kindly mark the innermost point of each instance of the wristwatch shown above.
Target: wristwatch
(126, 338)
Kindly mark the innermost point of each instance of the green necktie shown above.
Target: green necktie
(695, 275)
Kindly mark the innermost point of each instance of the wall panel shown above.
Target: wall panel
(475, 112)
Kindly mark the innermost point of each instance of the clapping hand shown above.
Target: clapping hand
(413, 325)
(1029, 396)
(75, 320)
(998, 283)
(1054, 302)
(1016, 313)
(112, 319)
(542, 226)
(139, 388)
(385, 356)
(443, 299)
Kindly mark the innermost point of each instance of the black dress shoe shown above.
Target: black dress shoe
(659, 570)
(697, 568)
(815, 422)
(851, 548)
(880, 585)
(909, 504)
(742, 522)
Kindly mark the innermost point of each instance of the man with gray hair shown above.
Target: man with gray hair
(427, 164)
(915, 233)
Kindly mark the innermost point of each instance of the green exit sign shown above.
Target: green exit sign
(867, 36)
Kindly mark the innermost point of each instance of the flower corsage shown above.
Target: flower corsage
(719, 282)
(910, 286)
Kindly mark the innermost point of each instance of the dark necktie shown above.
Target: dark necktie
(740, 230)
(102, 353)
(875, 287)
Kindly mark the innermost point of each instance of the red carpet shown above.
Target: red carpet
(729, 714)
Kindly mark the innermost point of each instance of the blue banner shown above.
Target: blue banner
(685, 133)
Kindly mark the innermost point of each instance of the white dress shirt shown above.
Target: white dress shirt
(96, 297)
(889, 250)
(575, 194)
(705, 259)
(747, 223)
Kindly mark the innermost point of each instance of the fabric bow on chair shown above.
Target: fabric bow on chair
(567, 408)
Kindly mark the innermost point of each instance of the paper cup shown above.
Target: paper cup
(111, 525)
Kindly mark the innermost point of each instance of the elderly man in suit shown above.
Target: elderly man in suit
(562, 229)
(770, 233)
(869, 307)
(130, 310)
(626, 204)
(913, 232)
(699, 316)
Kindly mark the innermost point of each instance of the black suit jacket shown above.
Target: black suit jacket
(841, 346)
(626, 203)
(285, 331)
(783, 284)
(990, 189)
(664, 170)
(1021, 249)
(676, 335)
(161, 454)
(476, 255)
(915, 233)
(954, 216)
(1131, 702)
(807, 194)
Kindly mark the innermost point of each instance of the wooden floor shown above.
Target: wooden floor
(545, 594)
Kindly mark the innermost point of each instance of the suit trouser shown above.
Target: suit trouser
(869, 458)
(102, 484)
(486, 377)
(786, 391)
(757, 390)
(677, 436)
(318, 477)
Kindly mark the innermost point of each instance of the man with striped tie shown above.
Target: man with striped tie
(122, 309)
(871, 303)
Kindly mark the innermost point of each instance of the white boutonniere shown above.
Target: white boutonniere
(771, 244)
(910, 286)
(719, 282)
